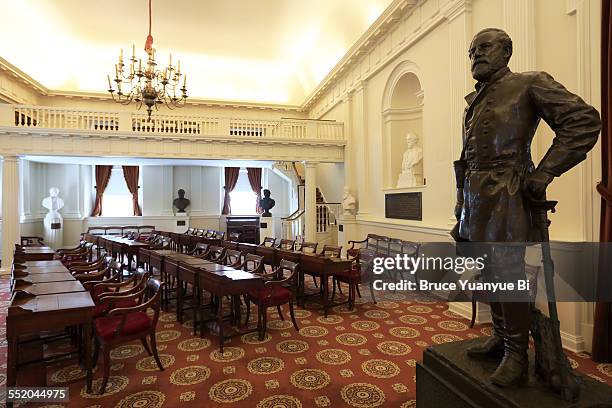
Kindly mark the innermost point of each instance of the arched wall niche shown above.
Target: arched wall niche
(402, 111)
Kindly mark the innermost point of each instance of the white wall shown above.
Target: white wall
(203, 186)
(434, 39)
(330, 180)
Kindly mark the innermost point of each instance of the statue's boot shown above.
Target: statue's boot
(493, 346)
(513, 367)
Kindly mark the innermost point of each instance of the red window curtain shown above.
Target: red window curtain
(103, 174)
(231, 178)
(255, 181)
(602, 332)
(130, 173)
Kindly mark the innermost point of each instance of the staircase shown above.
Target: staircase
(326, 213)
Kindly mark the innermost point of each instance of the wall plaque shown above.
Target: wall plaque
(341, 228)
(180, 223)
(263, 225)
(404, 206)
(56, 225)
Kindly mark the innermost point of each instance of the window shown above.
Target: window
(117, 199)
(243, 198)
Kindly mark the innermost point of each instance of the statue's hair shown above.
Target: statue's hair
(503, 37)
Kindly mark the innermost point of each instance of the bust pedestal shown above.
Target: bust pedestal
(266, 227)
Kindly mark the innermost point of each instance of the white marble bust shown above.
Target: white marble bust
(53, 203)
(349, 204)
(53, 231)
(411, 168)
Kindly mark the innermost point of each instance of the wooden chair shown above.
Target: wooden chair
(274, 293)
(268, 242)
(62, 251)
(114, 268)
(531, 272)
(124, 325)
(353, 276)
(332, 251)
(233, 258)
(253, 263)
(286, 244)
(199, 249)
(84, 266)
(310, 248)
(370, 242)
(109, 289)
(214, 254)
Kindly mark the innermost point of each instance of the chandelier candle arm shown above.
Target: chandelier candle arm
(150, 86)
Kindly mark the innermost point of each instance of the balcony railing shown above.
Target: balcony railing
(41, 117)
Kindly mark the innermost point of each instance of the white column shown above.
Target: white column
(310, 208)
(360, 143)
(24, 189)
(459, 20)
(519, 23)
(10, 211)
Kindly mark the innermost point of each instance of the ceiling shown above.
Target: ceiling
(263, 51)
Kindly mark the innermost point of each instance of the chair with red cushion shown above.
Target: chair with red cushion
(361, 266)
(101, 292)
(275, 292)
(126, 324)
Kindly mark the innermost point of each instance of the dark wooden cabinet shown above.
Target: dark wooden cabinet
(246, 226)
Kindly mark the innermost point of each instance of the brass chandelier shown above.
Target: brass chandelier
(146, 84)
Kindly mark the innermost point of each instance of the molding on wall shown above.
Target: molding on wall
(401, 225)
(571, 342)
(88, 143)
(407, 23)
(464, 309)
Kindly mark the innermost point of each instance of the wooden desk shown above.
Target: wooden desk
(322, 267)
(122, 247)
(38, 253)
(48, 288)
(247, 248)
(46, 269)
(204, 275)
(155, 259)
(289, 255)
(226, 282)
(45, 277)
(55, 262)
(28, 314)
(268, 254)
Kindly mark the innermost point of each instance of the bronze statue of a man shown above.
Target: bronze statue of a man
(497, 180)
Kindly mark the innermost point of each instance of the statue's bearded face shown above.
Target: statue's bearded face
(488, 55)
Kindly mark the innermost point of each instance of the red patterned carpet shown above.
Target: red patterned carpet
(362, 358)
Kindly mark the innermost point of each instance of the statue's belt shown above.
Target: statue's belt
(497, 165)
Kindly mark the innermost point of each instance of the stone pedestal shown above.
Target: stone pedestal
(182, 222)
(53, 233)
(447, 377)
(266, 228)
